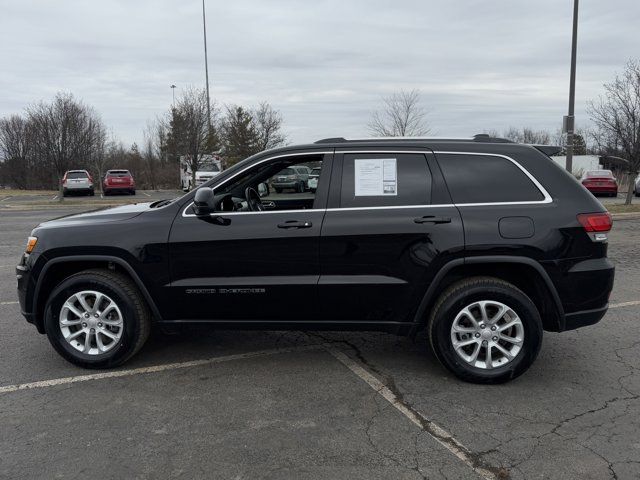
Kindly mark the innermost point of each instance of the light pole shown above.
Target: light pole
(569, 124)
(173, 95)
(206, 66)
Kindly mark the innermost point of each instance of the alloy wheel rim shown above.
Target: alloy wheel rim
(91, 322)
(487, 334)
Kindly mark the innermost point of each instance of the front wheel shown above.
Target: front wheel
(97, 319)
(485, 330)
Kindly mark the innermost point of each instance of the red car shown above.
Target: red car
(600, 182)
(118, 181)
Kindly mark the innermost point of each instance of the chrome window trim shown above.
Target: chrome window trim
(547, 198)
(271, 157)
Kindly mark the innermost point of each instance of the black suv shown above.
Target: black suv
(483, 242)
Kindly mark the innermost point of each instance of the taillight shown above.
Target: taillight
(64, 179)
(90, 177)
(596, 222)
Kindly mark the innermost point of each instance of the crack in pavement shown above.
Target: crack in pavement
(471, 458)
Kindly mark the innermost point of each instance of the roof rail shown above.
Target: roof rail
(481, 137)
(485, 137)
(332, 140)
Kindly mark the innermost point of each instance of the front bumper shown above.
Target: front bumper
(25, 290)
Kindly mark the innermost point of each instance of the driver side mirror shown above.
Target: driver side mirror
(203, 202)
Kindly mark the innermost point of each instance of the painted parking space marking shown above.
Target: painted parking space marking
(625, 304)
(436, 432)
(8, 303)
(154, 369)
(144, 193)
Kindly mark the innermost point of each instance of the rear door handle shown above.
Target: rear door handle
(432, 219)
(295, 224)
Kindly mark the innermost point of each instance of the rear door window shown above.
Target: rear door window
(387, 179)
(486, 179)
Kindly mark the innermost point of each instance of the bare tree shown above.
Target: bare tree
(15, 149)
(528, 135)
(402, 116)
(616, 115)
(268, 124)
(66, 134)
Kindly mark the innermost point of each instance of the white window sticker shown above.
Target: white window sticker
(376, 177)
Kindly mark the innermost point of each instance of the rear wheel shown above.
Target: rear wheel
(97, 319)
(485, 330)
(278, 190)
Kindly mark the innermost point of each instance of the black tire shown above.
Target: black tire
(464, 293)
(278, 190)
(132, 192)
(92, 193)
(135, 313)
(313, 190)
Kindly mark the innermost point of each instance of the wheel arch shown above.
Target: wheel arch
(525, 273)
(59, 268)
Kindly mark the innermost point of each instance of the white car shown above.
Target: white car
(636, 189)
(313, 179)
(77, 181)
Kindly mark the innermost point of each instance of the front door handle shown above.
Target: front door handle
(432, 219)
(295, 224)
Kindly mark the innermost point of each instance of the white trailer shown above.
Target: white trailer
(580, 163)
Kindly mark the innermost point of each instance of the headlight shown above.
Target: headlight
(31, 244)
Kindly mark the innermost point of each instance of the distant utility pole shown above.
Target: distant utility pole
(206, 65)
(569, 123)
(173, 95)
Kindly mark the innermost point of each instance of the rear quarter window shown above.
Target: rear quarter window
(486, 179)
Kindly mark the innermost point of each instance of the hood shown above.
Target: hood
(205, 173)
(123, 212)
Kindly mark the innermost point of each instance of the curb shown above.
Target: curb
(626, 216)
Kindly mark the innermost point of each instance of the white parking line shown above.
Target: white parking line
(6, 198)
(8, 303)
(146, 194)
(438, 433)
(624, 304)
(154, 369)
(54, 197)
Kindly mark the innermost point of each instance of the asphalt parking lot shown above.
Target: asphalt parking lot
(224, 404)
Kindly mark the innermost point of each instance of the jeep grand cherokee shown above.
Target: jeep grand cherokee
(482, 242)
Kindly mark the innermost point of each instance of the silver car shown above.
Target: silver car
(636, 189)
(77, 181)
(295, 177)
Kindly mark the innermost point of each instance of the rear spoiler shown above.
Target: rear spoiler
(548, 150)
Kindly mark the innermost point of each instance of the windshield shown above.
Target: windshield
(208, 165)
(600, 173)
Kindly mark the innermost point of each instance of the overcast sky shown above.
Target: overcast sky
(324, 64)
